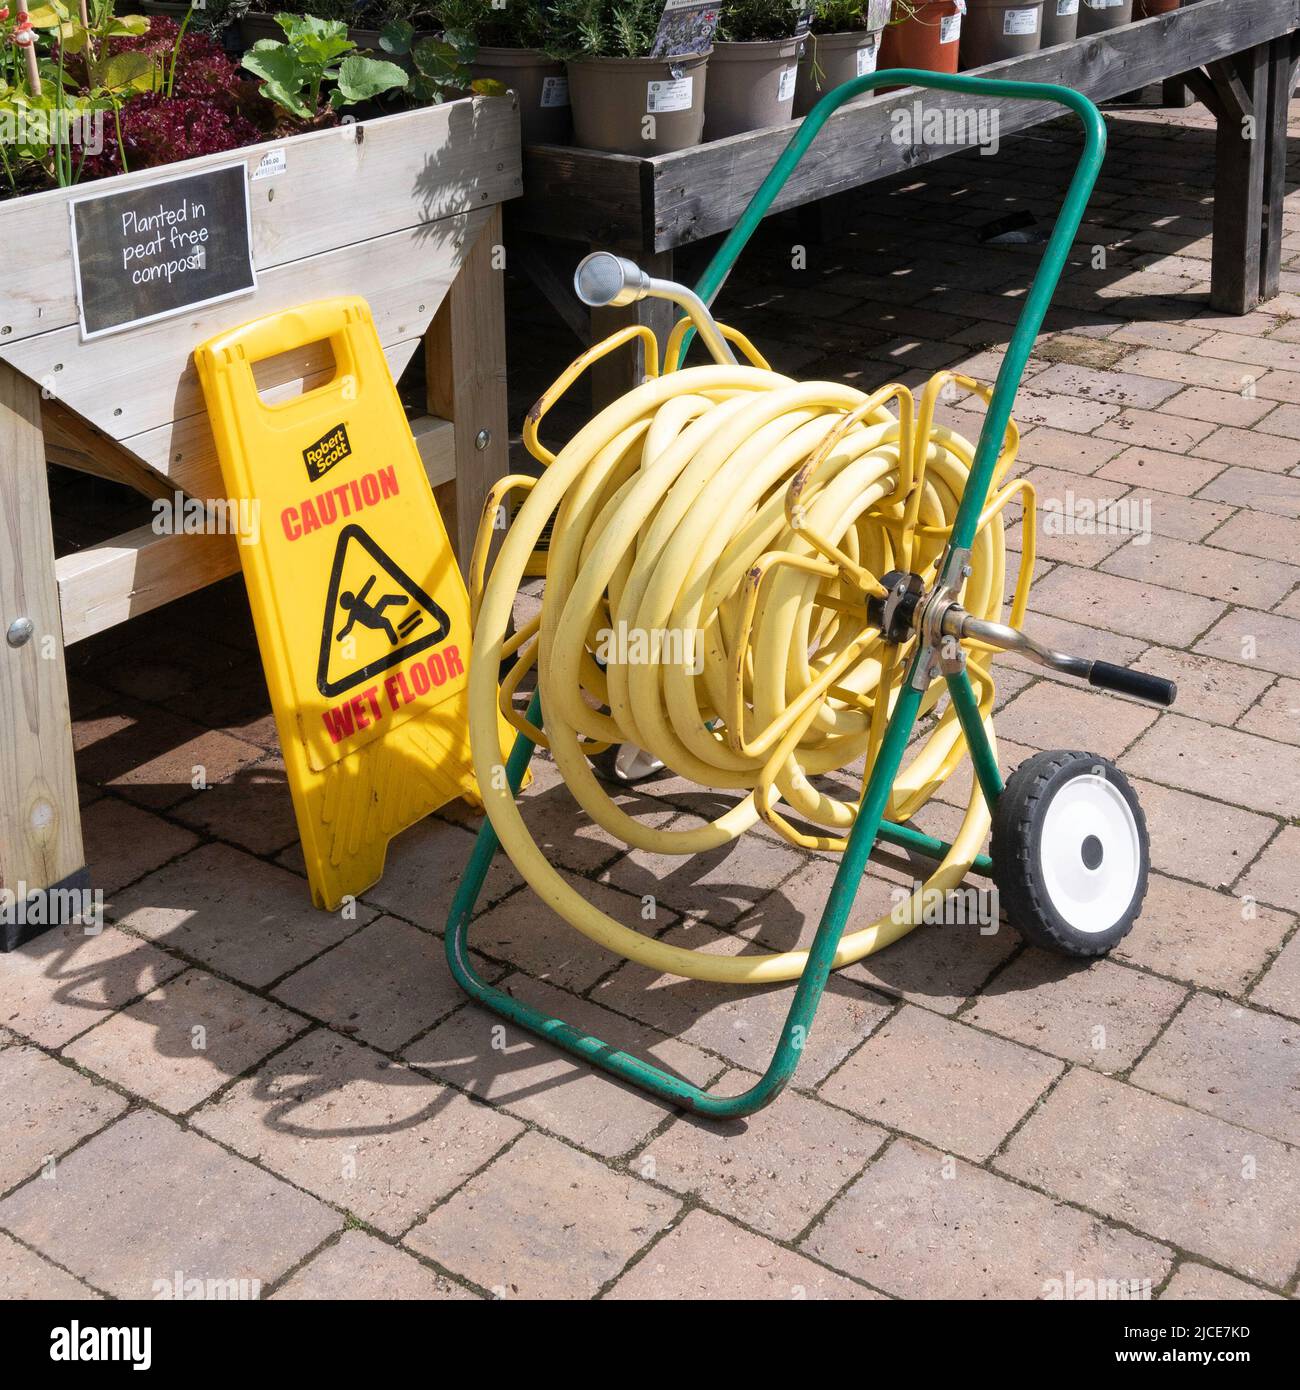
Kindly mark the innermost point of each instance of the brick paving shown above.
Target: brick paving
(226, 1085)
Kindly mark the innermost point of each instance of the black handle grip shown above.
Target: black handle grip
(1119, 678)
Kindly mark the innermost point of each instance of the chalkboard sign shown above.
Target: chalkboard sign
(161, 248)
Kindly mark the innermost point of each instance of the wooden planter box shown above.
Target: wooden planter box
(404, 211)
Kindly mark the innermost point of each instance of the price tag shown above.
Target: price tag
(673, 95)
(785, 84)
(271, 165)
(1020, 22)
(555, 91)
(950, 29)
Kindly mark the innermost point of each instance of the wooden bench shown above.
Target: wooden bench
(404, 211)
(1238, 56)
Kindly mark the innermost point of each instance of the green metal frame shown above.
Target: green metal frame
(870, 824)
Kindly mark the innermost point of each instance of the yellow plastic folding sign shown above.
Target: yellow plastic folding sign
(361, 613)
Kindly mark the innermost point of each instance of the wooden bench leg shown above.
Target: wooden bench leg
(622, 371)
(1241, 91)
(465, 371)
(42, 864)
(1174, 93)
(1281, 83)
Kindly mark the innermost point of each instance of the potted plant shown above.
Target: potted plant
(316, 69)
(1060, 22)
(1100, 16)
(924, 34)
(366, 20)
(844, 43)
(624, 100)
(753, 68)
(510, 38)
(996, 29)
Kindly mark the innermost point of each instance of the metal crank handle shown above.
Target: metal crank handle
(1103, 675)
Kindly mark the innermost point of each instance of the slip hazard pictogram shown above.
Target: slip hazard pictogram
(376, 615)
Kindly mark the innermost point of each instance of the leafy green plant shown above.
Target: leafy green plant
(441, 68)
(747, 21)
(316, 52)
(603, 28)
(842, 16)
(495, 23)
(46, 95)
(358, 14)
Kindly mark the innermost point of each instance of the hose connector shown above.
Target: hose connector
(606, 281)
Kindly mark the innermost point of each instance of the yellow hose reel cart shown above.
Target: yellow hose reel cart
(804, 571)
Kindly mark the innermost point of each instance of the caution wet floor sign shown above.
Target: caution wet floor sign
(361, 612)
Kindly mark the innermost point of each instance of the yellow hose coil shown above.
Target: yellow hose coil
(719, 532)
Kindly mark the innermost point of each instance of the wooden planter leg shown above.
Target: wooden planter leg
(1241, 90)
(1281, 83)
(465, 379)
(42, 864)
(622, 371)
(1175, 94)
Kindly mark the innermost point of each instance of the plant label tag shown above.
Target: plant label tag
(785, 84)
(555, 91)
(1104, 4)
(867, 56)
(161, 248)
(1066, 7)
(686, 26)
(804, 25)
(675, 94)
(271, 165)
(950, 29)
(1020, 22)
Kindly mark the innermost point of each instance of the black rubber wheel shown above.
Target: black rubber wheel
(1070, 853)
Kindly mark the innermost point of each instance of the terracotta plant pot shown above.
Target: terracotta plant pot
(751, 86)
(614, 100)
(1148, 9)
(541, 86)
(1060, 22)
(997, 29)
(1100, 16)
(926, 35)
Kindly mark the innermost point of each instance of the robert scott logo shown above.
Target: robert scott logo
(328, 450)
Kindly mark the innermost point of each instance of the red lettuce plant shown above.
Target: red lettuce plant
(200, 104)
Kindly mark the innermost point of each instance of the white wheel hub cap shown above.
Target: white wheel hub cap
(1090, 853)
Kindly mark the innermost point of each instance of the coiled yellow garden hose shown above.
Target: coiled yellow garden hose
(731, 524)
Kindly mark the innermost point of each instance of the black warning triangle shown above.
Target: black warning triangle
(342, 611)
